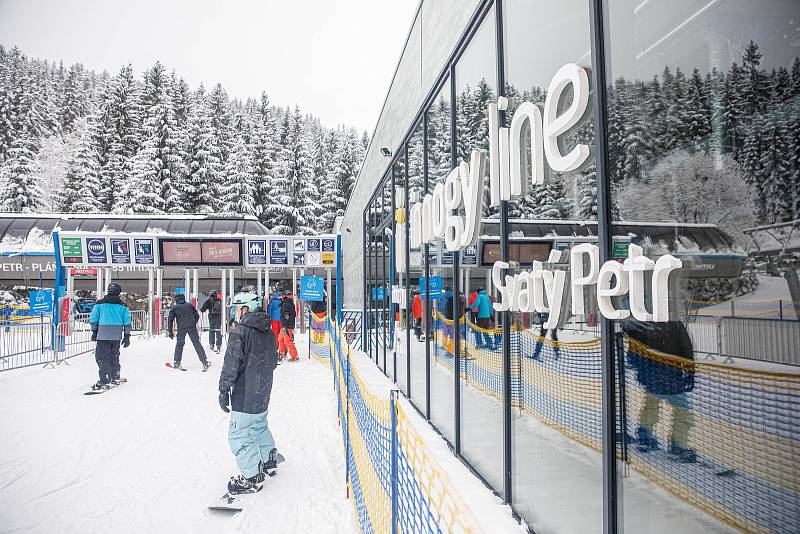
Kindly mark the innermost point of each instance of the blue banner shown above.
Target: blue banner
(312, 288)
(41, 301)
(436, 284)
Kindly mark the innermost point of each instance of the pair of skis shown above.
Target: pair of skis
(168, 364)
(235, 503)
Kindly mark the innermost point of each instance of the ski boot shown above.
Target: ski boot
(99, 385)
(646, 441)
(270, 467)
(241, 485)
(176, 365)
(205, 366)
(118, 380)
(682, 454)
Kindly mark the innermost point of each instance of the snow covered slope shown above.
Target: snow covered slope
(150, 455)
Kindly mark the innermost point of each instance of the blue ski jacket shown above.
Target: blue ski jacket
(110, 319)
(482, 305)
(274, 309)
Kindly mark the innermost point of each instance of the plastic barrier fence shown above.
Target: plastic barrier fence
(396, 485)
(721, 438)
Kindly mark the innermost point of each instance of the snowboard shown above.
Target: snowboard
(101, 391)
(172, 367)
(235, 503)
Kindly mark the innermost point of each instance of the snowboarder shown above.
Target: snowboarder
(184, 315)
(111, 322)
(667, 380)
(274, 312)
(286, 337)
(214, 308)
(250, 359)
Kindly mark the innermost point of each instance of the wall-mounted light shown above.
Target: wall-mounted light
(386, 152)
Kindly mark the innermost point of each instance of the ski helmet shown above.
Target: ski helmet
(251, 300)
(114, 290)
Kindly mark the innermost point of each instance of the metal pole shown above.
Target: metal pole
(186, 283)
(150, 296)
(231, 284)
(301, 306)
(609, 407)
(159, 297)
(224, 290)
(266, 283)
(328, 296)
(107, 277)
(259, 290)
(339, 281)
(99, 283)
(394, 454)
(195, 287)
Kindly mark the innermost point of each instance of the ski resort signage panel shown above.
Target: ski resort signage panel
(257, 252)
(143, 252)
(312, 288)
(71, 250)
(279, 252)
(97, 250)
(120, 251)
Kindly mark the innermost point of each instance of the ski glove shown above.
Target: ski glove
(94, 335)
(126, 341)
(225, 400)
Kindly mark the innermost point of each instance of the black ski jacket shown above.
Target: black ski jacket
(183, 314)
(250, 359)
(214, 308)
(657, 376)
(288, 313)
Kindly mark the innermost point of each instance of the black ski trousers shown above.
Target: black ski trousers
(106, 354)
(181, 341)
(215, 336)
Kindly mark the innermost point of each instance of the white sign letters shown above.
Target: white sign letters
(438, 215)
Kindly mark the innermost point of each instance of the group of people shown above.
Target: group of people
(480, 309)
(257, 339)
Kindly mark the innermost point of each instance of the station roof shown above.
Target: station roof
(31, 233)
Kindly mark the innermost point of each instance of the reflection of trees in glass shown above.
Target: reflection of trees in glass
(415, 154)
(738, 126)
(439, 162)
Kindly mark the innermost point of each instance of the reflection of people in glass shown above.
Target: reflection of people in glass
(663, 379)
(453, 312)
(541, 320)
(417, 309)
(482, 309)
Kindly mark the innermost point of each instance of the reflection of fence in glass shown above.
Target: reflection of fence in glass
(393, 479)
(737, 439)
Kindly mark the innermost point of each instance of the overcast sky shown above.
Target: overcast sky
(333, 57)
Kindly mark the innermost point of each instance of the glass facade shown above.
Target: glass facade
(687, 423)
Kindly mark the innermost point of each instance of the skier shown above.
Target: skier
(663, 379)
(214, 308)
(286, 337)
(185, 317)
(110, 321)
(274, 312)
(250, 359)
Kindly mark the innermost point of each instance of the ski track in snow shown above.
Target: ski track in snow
(152, 454)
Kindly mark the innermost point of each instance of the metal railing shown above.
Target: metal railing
(25, 343)
(767, 340)
(30, 342)
(352, 327)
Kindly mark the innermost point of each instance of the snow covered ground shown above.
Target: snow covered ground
(150, 455)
